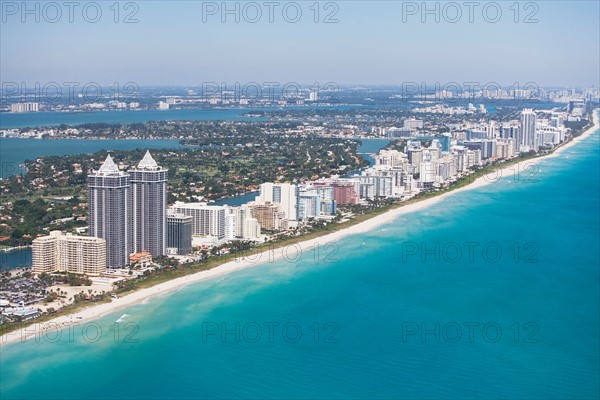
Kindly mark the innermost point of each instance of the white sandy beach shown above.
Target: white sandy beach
(97, 311)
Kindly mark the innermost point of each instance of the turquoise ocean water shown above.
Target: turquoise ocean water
(403, 311)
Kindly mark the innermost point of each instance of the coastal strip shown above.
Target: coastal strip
(139, 296)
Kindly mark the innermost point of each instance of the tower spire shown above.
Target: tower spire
(147, 161)
(109, 166)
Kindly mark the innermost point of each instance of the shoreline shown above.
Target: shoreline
(14, 248)
(139, 296)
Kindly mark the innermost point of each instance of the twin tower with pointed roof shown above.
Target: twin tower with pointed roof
(128, 209)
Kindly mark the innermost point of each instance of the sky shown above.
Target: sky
(550, 43)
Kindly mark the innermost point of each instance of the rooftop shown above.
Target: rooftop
(109, 168)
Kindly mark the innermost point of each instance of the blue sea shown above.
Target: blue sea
(491, 293)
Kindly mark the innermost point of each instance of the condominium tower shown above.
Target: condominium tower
(109, 211)
(528, 127)
(284, 195)
(149, 205)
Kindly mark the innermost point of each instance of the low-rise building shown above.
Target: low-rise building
(60, 252)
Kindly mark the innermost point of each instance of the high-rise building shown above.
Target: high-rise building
(309, 206)
(446, 168)
(251, 229)
(372, 186)
(149, 205)
(505, 148)
(109, 211)
(487, 147)
(427, 173)
(206, 220)
(390, 158)
(241, 224)
(556, 120)
(315, 201)
(68, 253)
(285, 195)
(268, 216)
(528, 126)
(509, 131)
(179, 233)
(415, 155)
(346, 193)
(575, 104)
(413, 123)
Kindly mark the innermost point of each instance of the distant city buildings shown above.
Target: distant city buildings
(413, 123)
(60, 252)
(25, 107)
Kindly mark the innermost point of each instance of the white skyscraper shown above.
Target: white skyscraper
(206, 220)
(528, 126)
(240, 224)
(285, 195)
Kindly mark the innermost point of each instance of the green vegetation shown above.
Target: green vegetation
(24, 219)
(221, 160)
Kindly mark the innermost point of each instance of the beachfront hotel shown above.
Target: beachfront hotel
(60, 252)
(149, 206)
(216, 224)
(109, 211)
(206, 220)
